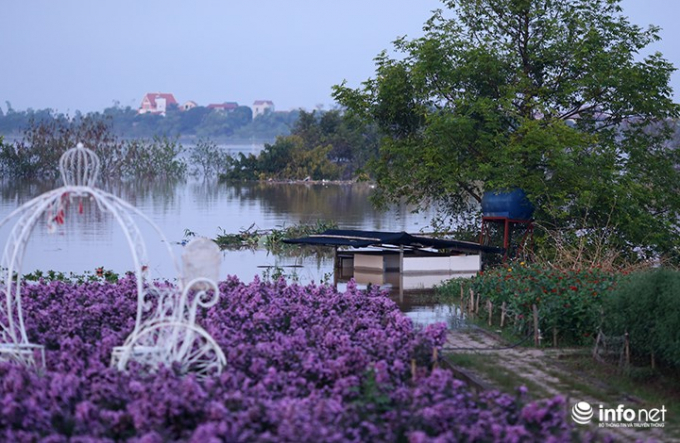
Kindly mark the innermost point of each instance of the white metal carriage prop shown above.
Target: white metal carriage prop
(165, 331)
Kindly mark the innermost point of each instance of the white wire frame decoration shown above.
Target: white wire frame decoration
(166, 335)
(170, 336)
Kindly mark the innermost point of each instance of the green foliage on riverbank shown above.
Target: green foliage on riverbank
(327, 146)
(287, 159)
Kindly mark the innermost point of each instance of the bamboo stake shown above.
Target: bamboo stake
(472, 301)
(596, 355)
(413, 369)
(537, 339)
(477, 306)
(503, 314)
(489, 307)
(463, 303)
(627, 348)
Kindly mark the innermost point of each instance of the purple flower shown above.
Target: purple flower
(304, 363)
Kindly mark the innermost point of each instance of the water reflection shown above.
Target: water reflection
(159, 193)
(435, 313)
(423, 306)
(21, 191)
(92, 239)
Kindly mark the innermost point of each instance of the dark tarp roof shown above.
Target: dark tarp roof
(362, 239)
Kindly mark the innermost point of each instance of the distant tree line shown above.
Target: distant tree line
(315, 145)
(199, 122)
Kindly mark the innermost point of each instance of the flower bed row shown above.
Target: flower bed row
(303, 364)
(568, 302)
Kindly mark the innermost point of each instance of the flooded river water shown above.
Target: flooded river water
(91, 239)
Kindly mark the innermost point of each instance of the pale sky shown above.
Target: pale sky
(86, 55)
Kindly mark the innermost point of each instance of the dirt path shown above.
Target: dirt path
(542, 372)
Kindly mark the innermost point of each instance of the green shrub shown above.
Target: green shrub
(208, 159)
(647, 306)
(287, 159)
(156, 158)
(36, 155)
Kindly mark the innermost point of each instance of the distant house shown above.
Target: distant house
(188, 105)
(262, 106)
(225, 107)
(156, 103)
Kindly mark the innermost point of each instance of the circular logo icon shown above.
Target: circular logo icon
(582, 412)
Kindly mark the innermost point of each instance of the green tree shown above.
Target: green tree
(268, 126)
(216, 124)
(312, 163)
(122, 119)
(287, 159)
(241, 116)
(551, 96)
(352, 142)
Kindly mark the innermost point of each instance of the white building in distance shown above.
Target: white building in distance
(260, 107)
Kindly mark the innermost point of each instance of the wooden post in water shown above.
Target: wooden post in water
(337, 268)
(462, 301)
(401, 273)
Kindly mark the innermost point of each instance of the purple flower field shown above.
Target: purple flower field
(304, 363)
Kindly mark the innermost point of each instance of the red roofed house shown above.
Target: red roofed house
(156, 103)
(226, 106)
(262, 106)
